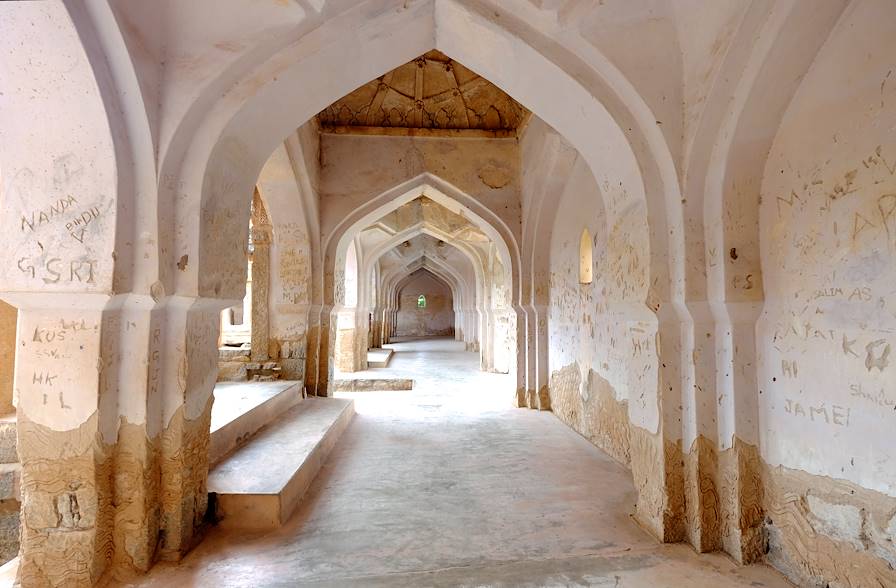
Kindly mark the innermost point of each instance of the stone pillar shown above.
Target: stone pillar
(9, 495)
(8, 316)
(326, 354)
(655, 430)
(740, 488)
(351, 340)
(345, 345)
(486, 324)
(699, 433)
(529, 361)
(67, 514)
(362, 339)
(376, 328)
(114, 409)
(542, 370)
(189, 372)
(722, 481)
(261, 282)
(393, 321)
(314, 348)
(473, 329)
(384, 326)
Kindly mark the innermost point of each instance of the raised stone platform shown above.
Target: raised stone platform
(241, 409)
(260, 484)
(379, 357)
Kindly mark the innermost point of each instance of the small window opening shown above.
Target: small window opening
(421, 301)
(585, 265)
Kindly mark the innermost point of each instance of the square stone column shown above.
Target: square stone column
(655, 430)
(261, 286)
(8, 317)
(67, 464)
(114, 408)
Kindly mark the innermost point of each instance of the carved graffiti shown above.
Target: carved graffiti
(879, 397)
(59, 332)
(77, 227)
(877, 355)
(819, 413)
(55, 270)
(789, 368)
(36, 219)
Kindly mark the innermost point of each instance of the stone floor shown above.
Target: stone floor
(448, 485)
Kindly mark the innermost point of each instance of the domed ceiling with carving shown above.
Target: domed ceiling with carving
(430, 92)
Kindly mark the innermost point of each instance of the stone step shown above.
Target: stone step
(378, 357)
(259, 485)
(348, 384)
(241, 409)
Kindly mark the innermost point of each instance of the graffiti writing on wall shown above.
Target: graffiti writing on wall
(835, 415)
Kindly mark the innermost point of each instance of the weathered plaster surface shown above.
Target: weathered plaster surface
(657, 474)
(827, 532)
(67, 515)
(589, 406)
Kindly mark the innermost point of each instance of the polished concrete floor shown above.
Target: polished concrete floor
(448, 485)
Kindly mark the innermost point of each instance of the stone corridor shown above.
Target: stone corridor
(459, 292)
(449, 485)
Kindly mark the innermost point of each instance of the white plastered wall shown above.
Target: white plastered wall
(827, 371)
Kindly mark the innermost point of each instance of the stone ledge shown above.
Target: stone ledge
(379, 358)
(242, 409)
(259, 485)
(372, 384)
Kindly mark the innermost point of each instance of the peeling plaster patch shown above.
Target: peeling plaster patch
(828, 532)
(661, 500)
(838, 521)
(494, 177)
(182, 263)
(588, 404)
(702, 509)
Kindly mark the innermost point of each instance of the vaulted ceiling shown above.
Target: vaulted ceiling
(430, 92)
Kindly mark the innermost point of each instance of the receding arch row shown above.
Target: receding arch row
(464, 294)
(352, 323)
(464, 321)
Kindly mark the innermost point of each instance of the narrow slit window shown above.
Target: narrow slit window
(421, 301)
(585, 264)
